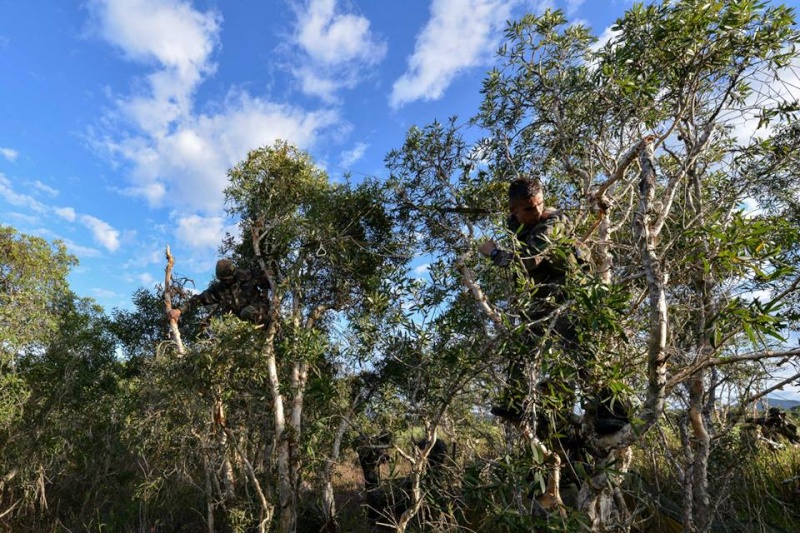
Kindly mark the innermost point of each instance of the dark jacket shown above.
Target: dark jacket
(546, 269)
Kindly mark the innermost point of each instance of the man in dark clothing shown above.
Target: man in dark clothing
(244, 293)
(536, 227)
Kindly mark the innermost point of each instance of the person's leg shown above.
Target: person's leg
(255, 314)
(611, 413)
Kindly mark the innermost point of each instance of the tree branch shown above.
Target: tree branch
(175, 333)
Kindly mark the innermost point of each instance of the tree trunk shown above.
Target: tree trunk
(286, 500)
(600, 496)
(328, 501)
(656, 283)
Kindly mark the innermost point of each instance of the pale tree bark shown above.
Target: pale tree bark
(328, 502)
(600, 497)
(209, 488)
(218, 428)
(418, 464)
(602, 204)
(267, 508)
(699, 508)
(286, 501)
(656, 290)
(174, 332)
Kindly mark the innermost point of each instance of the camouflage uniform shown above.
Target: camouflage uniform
(535, 240)
(245, 295)
(548, 273)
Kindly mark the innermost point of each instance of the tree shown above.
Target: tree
(636, 138)
(32, 280)
(324, 248)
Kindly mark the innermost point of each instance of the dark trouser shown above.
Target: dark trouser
(555, 398)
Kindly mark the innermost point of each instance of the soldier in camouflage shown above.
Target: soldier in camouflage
(535, 227)
(242, 292)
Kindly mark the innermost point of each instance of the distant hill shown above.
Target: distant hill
(771, 401)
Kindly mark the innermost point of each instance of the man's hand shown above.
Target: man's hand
(486, 247)
(174, 314)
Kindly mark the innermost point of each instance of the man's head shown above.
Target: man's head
(526, 200)
(225, 270)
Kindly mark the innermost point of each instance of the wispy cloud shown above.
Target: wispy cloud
(336, 46)
(460, 34)
(768, 89)
(67, 213)
(103, 233)
(604, 38)
(146, 279)
(349, 157)
(72, 247)
(573, 6)
(422, 270)
(9, 154)
(105, 293)
(49, 191)
(16, 199)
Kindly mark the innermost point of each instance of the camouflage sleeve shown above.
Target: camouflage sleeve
(535, 243)
(550, 228)
(209, 296)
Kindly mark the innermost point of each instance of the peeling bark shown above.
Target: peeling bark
(656, 289)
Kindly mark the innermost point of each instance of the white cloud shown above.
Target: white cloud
(332, 38)
(337, 47)
(459, 35)
(767, 90)
(422, 270)
(350, 157)
(540, 6)
(189, 166)
(72, 247)
(45, 188)
(105, 293)
(146, 279)
(201, 232)
(751, 208)
(170, 34)
(177, 156)
(604, 38)
(762, 295)
(103, 233)
(21, 217)
(67, 213)
(9, 154)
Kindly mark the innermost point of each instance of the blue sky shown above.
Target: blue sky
(120, 118)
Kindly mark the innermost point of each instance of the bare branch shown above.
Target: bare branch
(175, 333)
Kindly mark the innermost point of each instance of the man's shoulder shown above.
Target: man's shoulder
(550, 219)
(553, 215)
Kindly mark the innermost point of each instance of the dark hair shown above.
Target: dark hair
(524, 188)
